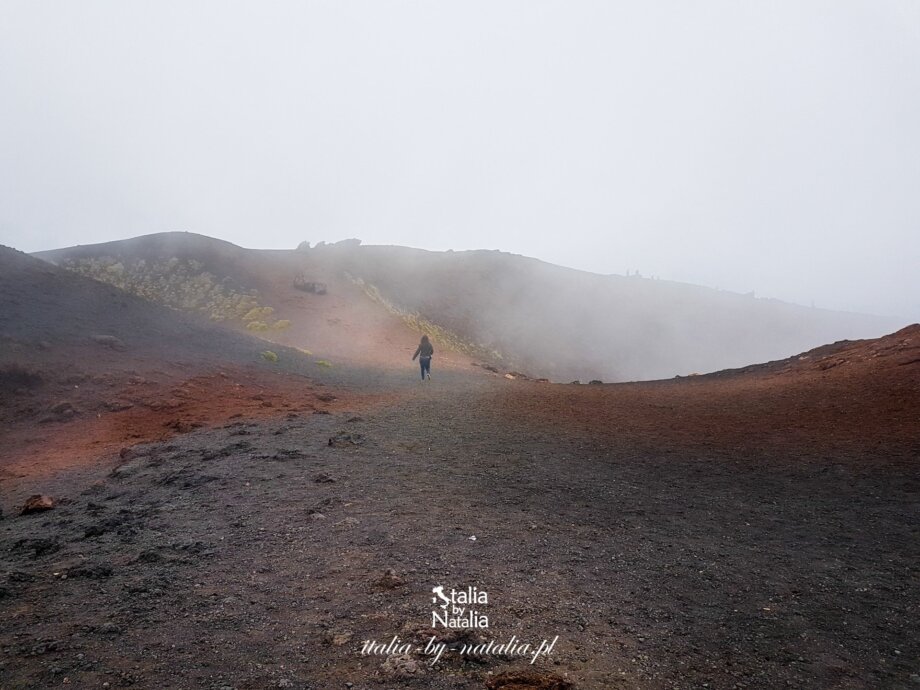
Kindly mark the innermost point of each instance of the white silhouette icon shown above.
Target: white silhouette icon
(439, 590)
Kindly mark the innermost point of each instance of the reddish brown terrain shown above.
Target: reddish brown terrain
(225, 520)
(849, 398)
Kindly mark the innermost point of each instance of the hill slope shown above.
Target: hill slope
(570, 324)
(849, 398)
(525, 314)
(86, 368)
(219, 280)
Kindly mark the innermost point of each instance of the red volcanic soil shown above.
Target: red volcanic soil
(122, 411)
(849, 396)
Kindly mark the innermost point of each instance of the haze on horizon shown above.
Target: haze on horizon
(753, 147)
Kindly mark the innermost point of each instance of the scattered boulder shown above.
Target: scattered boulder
(390, 580)
(528, 680)
(182, 426)
(109, 341)
(343, 439)
(59, 412)
(595, 382)
(313, 287)
(95, 531)
(323, 478)
(337, 638)
(149, 556)
(109, 629)
(37, 503)
(402, 665)
(128, 468)
(130, 452)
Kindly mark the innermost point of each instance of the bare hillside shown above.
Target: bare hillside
(87, 369)
(569, 324)
(519, 313)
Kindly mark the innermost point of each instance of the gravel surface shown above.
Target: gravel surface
(264, 553)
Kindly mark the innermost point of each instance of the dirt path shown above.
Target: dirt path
(256, 555)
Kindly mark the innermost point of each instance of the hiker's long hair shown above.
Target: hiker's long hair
(424, 338)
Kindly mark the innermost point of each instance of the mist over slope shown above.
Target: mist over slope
(253, 291)
(532, 316)
(571, 324)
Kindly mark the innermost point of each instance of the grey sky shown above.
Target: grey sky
(768, 146)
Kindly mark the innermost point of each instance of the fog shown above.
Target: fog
(502, 310)
(767, 147)
(564, 325)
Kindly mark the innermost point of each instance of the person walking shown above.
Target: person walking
(424, 352)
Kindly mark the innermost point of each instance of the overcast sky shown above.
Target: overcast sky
(767, 146)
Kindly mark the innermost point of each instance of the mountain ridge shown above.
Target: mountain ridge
(538, 317)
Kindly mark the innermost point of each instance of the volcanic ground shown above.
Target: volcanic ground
(221, 520)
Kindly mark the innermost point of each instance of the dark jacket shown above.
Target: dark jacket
(425, 349)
